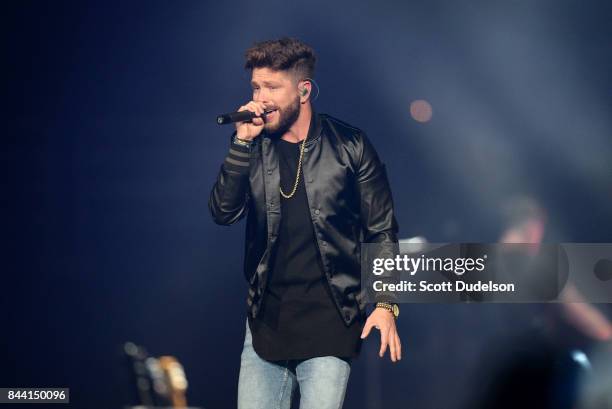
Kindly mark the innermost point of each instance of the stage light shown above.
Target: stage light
(420, 110)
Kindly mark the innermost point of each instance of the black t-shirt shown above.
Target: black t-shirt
(299, 319)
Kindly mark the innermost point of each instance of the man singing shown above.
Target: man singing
(312, 188)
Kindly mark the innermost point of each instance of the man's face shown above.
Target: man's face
(278, 91)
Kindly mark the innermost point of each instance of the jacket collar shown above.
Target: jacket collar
(314, 131)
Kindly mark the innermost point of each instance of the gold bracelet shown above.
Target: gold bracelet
(392, 308)
(241, 142)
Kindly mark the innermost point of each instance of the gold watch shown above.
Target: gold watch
(392, 308)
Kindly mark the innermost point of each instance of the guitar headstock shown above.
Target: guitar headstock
(176, 380)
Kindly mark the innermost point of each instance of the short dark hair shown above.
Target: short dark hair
(284, 54)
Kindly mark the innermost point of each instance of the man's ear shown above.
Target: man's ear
(304, 88)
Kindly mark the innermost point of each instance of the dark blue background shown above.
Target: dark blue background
(110, 149)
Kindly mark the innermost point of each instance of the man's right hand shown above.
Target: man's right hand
(248, 131)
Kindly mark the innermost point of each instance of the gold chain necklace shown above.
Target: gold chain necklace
(297, 177)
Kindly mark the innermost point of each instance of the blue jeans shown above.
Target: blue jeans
(270, 385)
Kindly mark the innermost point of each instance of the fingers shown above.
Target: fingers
(390, 338)
(399, 346)
(258, 107)
(384, 341)
(395, 345)
(255, 107)
(366, 329)
(392, 346)
(252, 128)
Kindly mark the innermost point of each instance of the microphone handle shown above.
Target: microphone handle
(232, 117)
(240, 116)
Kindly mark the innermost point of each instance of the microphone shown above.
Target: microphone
(240, 116)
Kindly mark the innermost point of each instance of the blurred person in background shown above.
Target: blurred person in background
(539, 364)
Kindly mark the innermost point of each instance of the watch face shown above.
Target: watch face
(395, 310)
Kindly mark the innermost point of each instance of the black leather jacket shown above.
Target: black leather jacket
(348, 195)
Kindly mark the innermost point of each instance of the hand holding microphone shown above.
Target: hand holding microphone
(250, 130)
(249, 119)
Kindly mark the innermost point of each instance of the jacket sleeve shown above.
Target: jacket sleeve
(229, 197)
(376, 201)
(376, 209)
